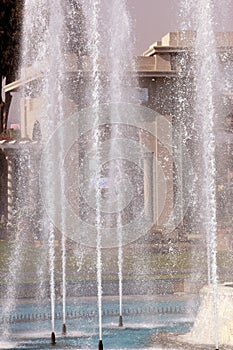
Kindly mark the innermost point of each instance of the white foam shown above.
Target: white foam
(7, 345)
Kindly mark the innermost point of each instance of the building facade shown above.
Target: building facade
(164, 74)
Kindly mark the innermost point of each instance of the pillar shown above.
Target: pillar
(9, 187)
(148, 186)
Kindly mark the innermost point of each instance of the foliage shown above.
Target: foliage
(10, 26)
(10, 29)
(11, 13)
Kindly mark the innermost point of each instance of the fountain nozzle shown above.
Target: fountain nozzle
(100, 345)
(64, 329)
(120, 321)
(53, 339)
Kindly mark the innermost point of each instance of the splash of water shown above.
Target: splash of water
(93, 10)
(17, 254)
(64, 275)
(205, 109)
(22, 225)
(120, 261)
(52, 278)
(120, 39)
(53, 86)
(200, 18)
(43, 49)
(106, 87)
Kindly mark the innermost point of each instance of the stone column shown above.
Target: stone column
(148, 186)
(3, 187)
(178, 176)
(180, 193)
(156, 178)
(9, 187)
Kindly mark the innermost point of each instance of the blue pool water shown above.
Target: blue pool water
(142, 318)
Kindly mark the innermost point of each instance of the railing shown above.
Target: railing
(43, 316)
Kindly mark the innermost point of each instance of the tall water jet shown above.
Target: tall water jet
(64, 328)
(23, 225)
(206, 72)
(109, 64)
(106, 83)
(52, 279)
(120, 266)
(63, 232)
(121, 64)
(205, 69)
(43, 50)
(55, 105)
(207, 54)
(96, 95)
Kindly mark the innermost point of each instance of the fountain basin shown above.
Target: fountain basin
(203, 332)
(142, 316)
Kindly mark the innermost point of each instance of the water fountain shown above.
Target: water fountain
(107, 183)
(212, 328)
